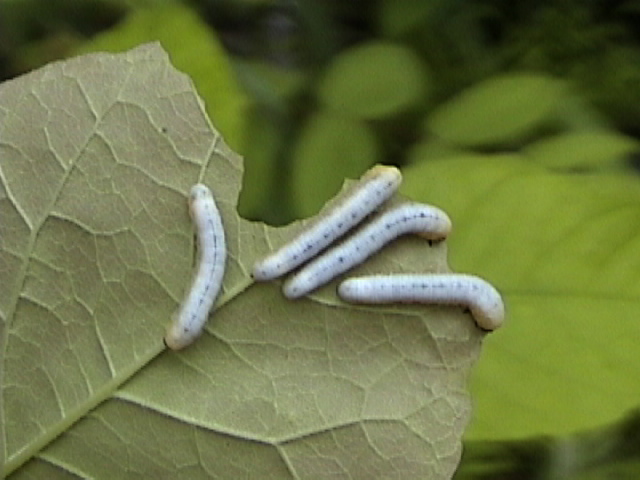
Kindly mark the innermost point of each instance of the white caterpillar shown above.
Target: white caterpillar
(189, 319)
(478, 295)
(425, 220)
(373, 188)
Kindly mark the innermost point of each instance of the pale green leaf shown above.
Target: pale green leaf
(97, 156)
(565, 251)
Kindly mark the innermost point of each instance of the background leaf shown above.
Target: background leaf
(497, 111)
(564, 249)
(582, 150)
(374, 80)
(98, 154)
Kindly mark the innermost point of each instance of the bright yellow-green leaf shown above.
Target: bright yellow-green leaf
(565, 251)
(499, 110)
(375, 80)
(194, 49)
(330, 147)
(98, 155)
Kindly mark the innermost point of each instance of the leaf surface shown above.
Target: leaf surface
(98, 155)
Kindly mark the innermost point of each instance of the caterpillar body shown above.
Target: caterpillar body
(482, 299)
(190, 318)
(373, 189)
(425, 220)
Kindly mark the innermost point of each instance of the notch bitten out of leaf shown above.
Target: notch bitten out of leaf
(98, 155)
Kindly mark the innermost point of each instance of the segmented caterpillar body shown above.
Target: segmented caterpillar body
(478, 295)
(190, 318)
(373, 189)
(425, 220)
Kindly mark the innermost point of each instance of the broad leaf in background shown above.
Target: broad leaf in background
(97, 155)
(356, 85)
(583, 150)
(564, 249)
(500, 110)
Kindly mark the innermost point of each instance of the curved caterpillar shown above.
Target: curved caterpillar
(478, 295)
(189, 319)
(373, 189)
(427, 221)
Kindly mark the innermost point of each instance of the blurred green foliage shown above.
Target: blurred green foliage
(373, 81)
(612, 452)
(312, 92)
(499, 111)
(389, 64)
